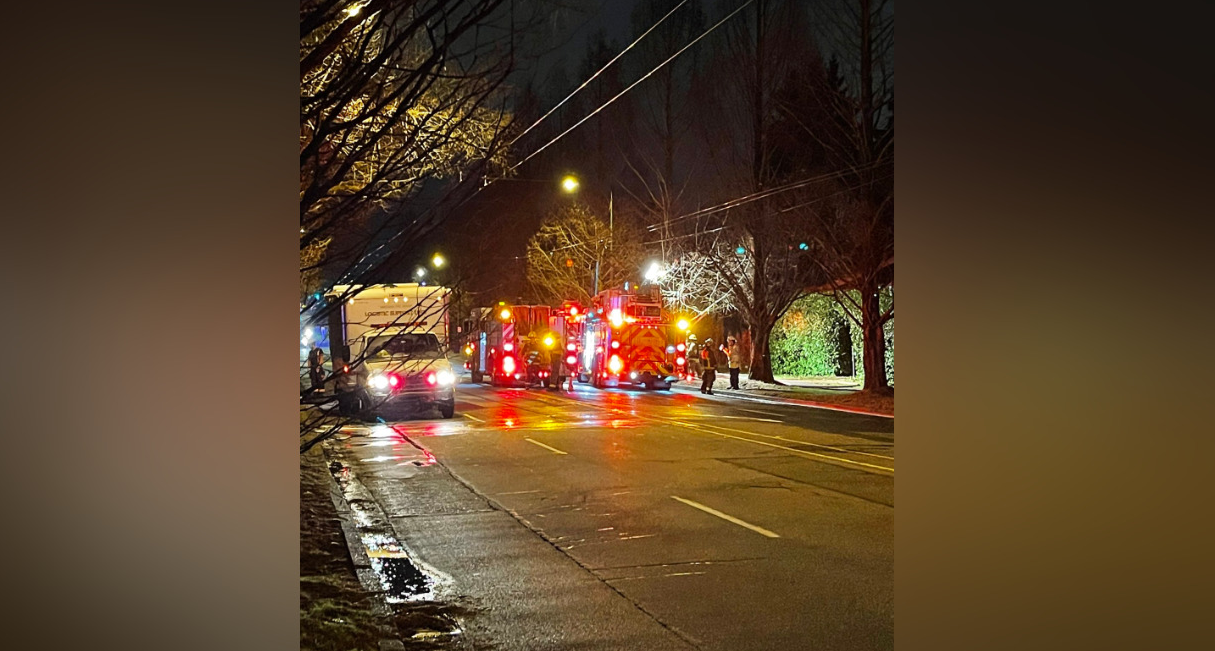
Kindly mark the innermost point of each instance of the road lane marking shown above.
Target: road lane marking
(473, 417)
(817, 445)
(728, 518)
(829, 447)
(756, 411)
(809, 454)
(771, 445)
(763, 420)
(547, 447)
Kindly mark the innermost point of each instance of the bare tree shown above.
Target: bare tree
(847, 112)
(392, 93)
(396, 96)
(753, 249)
(574, 246)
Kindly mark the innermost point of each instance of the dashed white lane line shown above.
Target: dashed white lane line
(547, 447)
(728, 518)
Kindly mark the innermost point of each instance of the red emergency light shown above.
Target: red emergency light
(680, 347)
(615, 345)
(680, 360)
(571, 360)
(393, 379)
(508, 365)
(508, 347)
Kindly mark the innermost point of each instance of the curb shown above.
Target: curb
(799, 402)
(389, 640)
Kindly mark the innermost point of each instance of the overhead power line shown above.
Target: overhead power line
(756, 196)
(631, 86)
(782, 210)
(598, 72)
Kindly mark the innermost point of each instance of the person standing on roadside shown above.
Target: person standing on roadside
(708, 374)
(316, 368)
(734, 360)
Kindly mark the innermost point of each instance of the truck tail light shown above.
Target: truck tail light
(431, 379)
(393, 380)
(615, 364)
(571, 360)
(508, 365)
(680, 360)
(680, 347)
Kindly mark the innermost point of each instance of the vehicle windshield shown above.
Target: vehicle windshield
(413, 345)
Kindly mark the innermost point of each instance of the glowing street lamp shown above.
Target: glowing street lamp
(569, 183)
(654, 272)
(438, 261)
(420, 273)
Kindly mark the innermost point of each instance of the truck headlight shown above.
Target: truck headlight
(446, 378)
(378, 382)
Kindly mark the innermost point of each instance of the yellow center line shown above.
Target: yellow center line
(473, 417)
(781, 438)
(728, 518)
(547, 447)
(702, 427)
(795, 451)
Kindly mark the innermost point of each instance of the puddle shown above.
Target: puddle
(401, 580)
(399, 577)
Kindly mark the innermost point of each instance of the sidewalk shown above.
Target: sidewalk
(840, 394)
(489, 578)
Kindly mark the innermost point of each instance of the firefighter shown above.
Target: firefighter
(693, 357)
(708, 355)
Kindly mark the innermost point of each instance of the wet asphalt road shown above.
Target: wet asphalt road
(622, 519)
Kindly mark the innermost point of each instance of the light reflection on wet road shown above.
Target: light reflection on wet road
(731, 527)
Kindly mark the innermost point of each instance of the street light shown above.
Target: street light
(438, 261)
(420, 273)
(654, 272)
(569, 183)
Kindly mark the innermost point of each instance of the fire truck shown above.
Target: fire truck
(501, 337)
(627, 341)
(496, 348)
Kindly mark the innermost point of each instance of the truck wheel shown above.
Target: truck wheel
(477, 377)
(596, 374)
(447, 409)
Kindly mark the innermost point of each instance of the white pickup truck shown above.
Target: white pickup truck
(391, 341)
